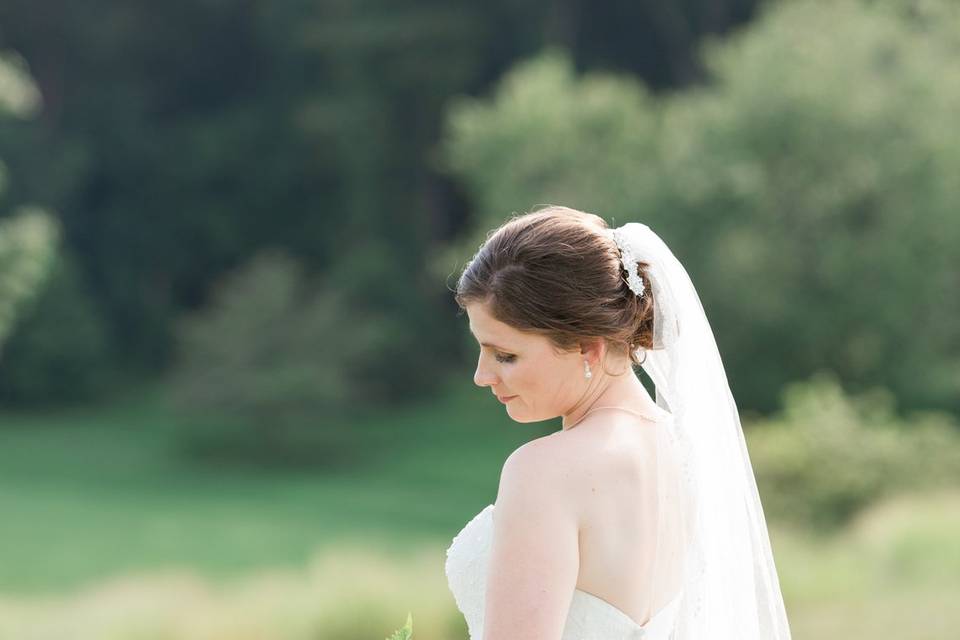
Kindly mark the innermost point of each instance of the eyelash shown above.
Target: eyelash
(504, 359)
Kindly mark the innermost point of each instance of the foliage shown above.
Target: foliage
(18, 93)
(59, 350)
(546, 132)
(405, 632)
(807, 187)
(178, 139)
(55, 341)
(28, 243)
(272, 365)
(825, 457)
(29, 237)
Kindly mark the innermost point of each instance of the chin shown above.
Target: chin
(522, 419)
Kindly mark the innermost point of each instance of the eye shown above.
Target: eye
(505, 358)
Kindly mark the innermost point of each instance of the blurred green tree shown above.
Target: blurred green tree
(827, 455)
(808, 187)
(59, 352)
(27, 249)
(273, 363)
(178, 139)
(56, 348)
(28, 236)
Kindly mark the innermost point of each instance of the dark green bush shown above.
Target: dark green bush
(271, 367)
(57, 351)
(28, 246)
(827, 455)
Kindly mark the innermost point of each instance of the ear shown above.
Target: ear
(593, 351)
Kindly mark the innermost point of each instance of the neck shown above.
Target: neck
(616, 391)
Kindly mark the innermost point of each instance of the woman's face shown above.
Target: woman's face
(522, 369)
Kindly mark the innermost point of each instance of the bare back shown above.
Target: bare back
(627, 556)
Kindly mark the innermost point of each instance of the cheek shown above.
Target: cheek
(525, 379)
(542, 388)
(511, 375)
(558, 382)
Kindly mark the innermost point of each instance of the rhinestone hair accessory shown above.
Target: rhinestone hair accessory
(628, 260)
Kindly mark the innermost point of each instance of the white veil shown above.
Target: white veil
(730, 586)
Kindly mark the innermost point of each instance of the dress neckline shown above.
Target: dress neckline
(622, 614)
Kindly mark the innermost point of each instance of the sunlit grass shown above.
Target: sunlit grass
(107, 533)
(345, 593)
(894, 570)
(90, 494)
(897, 569)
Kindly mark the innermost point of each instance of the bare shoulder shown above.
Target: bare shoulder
(547, 467)
(548, 454)
(528, 461)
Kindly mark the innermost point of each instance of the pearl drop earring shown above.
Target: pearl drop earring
(587, 373)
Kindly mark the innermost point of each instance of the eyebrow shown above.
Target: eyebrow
(487, 344)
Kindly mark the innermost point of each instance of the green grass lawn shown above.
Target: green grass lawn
(95, 496)
(90, 493)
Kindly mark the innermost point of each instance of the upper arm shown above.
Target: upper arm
(535, 554)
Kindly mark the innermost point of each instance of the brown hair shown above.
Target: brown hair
(553, 272)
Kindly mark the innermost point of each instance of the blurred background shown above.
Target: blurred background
(236, 395)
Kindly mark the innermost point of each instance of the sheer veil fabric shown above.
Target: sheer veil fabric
(728, 578)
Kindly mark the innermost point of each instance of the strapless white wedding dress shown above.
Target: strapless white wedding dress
(589, 617)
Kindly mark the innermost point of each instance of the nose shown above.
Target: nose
(482, 377)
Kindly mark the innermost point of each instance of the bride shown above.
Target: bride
(639, 518)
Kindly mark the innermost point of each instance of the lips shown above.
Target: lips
(505, 399)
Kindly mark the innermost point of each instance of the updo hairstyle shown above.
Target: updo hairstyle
(553, 272)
